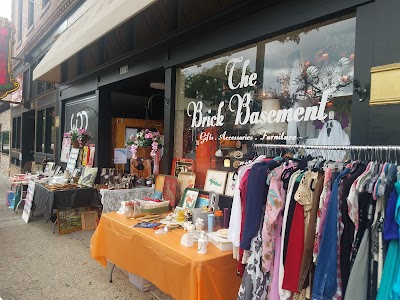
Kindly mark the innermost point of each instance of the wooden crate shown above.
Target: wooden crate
(89, 220)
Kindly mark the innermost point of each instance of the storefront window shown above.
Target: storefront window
(45, 131)
(298, 69)
(5, 142)
(292, 89)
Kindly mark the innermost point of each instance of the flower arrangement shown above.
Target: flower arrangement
(145, 138)
(81, 136)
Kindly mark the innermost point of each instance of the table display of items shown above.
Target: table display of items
(135, 208)
(69, 180)
(211, 275)
(195, 221)
(112, 178)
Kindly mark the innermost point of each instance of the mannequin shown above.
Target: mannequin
(260, 129)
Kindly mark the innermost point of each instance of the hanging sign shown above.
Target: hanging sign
(242, 111)
(7, 83)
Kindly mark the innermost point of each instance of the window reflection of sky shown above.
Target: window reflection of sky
(336, 39)
(206, 65)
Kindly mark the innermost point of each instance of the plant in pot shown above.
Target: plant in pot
(79, 137)
(144, 144)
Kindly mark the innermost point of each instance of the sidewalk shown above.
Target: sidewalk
(36, 264)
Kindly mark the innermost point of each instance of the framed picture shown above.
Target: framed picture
(202, 201)
(141, 167)
(189, 198)
(49, 167)
(58, 170)
(170, 189)
(73, 158)
(185, 180)
(37, 168)
(182, 165)
(120, 156)
(159, 182)
(215, 181)
(65, 149)
(88, 176)
(230, 185)
(85, 156)
(69, 219)
(92, 150)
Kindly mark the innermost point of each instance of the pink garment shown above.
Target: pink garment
(321, 215)
(274, 286)
(275, 203)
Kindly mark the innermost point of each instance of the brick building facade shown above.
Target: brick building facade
(33, 124)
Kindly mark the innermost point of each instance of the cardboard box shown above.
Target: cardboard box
(141, 283)
(221, 243)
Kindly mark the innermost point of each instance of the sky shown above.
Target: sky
(5, 9)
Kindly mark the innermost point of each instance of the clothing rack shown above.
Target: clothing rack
(329, 147)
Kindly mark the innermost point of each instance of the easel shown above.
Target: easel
(117, 167)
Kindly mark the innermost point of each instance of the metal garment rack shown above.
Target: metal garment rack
(369, 151)
(328, 147)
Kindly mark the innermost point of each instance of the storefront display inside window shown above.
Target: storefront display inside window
(293, 89)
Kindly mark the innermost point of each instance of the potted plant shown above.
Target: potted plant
(144, 144)
(79, 137)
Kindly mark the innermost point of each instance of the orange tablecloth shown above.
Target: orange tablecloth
(176, 270)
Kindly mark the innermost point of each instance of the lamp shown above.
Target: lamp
(158, 85)
(359, 90)
(227, 163)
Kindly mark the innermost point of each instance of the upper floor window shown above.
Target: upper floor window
(31, 11)
(44, 3)
(19, 20)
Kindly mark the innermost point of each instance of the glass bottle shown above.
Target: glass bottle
(129, 210)
(219, 220)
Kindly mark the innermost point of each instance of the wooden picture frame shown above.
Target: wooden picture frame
(215, 181)
(69, 219)
(182, 165)
(189, 198)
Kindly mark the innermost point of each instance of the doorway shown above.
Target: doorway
(28, 136)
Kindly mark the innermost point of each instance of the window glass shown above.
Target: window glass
(299, 68)
(51, 131)
(291, 89)
(16, 133)
(5, 142)
(40, 131)
(45, 131)
(31, 13)
(201, 90)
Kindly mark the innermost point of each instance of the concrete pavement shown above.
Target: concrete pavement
(36, 264)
